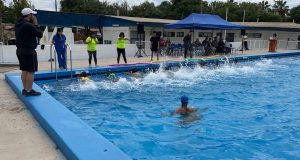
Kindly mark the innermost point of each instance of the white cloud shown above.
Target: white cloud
(50, 4)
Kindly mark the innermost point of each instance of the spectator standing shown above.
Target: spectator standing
(204, 42)
(121, 43)
(92, 48)
(27, 35)
(162, 44)
(154, 45)
(187, 42)
(168, 46)
(59, 41)
(273, 43)
(245, 37)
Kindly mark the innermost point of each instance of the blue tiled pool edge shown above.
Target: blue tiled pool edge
(74, 137)
(71, 135)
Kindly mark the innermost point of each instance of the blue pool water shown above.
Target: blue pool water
(245, 111)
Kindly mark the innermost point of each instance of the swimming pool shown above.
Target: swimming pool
(251, 110)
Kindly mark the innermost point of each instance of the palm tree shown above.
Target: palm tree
(281, 8)
(264, 5)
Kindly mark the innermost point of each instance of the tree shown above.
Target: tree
(1, 10)
(1, 6)
(281, 8)
(145, 9)
(295, 14)
(123, 9)
(182, 8)
(264, 5)
(13, 12)
(165, 11)
(1, 14)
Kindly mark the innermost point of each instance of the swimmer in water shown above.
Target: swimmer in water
(183, 109)
(134, 73)
(112, 77)
(84, 76)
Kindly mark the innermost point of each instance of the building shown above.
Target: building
(76, 27)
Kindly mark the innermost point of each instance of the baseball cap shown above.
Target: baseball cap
(27, 11)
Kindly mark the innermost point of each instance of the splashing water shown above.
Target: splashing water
(182, 77)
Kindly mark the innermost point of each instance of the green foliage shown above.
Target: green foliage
(12, 13)
(281, 8)
(145, 9)
(264, 5)
(1, 7)
(295, 14)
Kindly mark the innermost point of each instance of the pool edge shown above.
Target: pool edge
(72, 136)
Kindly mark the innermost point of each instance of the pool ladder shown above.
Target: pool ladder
(52, 49)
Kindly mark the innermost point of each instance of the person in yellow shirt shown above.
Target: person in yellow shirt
(121, 43)
(91, 48)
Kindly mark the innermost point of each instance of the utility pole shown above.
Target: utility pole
(1, 28)
(226, 20)
(55, 5)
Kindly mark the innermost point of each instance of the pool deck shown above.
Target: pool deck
(21, 137)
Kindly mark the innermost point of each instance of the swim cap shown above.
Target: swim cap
(85, 78)
(184, 100)
(111, 76)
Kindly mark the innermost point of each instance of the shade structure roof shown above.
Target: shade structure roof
(203, 21)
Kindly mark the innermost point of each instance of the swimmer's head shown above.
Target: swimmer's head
(111, 76)
(184, 100)
(134, 70)
(83, 74)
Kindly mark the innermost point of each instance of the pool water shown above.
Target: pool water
(245, 110)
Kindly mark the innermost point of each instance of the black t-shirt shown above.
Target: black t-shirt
(187, 40)
(155, 41)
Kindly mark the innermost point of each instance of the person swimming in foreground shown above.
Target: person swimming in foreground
(84, 76)
(183, 109)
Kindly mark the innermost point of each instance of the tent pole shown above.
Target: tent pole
(226, 20)
(193, 33)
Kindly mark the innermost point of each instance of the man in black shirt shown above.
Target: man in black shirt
(187, 41)
(154, 45)
(27, 35)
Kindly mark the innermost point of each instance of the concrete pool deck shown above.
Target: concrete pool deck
(20, 135)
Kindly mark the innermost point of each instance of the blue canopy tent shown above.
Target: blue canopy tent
(203, 21)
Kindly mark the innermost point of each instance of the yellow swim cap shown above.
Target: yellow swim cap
(85, 78)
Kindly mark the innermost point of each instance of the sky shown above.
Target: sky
(49, 4)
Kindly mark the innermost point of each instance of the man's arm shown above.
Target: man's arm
(33, 30)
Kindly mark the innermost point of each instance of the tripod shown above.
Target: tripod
(140, 46)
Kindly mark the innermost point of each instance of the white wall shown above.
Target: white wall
(112, 33)
(78, 51)
(282, 35)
